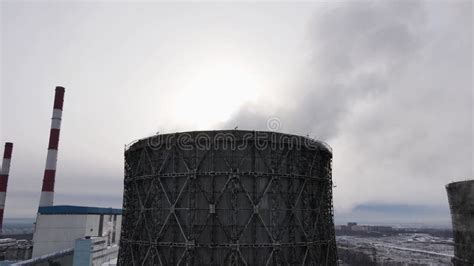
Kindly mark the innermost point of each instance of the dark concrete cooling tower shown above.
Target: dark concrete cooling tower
(461, 202)
(227, 198)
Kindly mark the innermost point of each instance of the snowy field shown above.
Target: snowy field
(402, 249)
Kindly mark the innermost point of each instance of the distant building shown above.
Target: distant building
(354, 227)
(363, 228)
(58, 227)
(350, 224)
(13, 249)
(379, 228)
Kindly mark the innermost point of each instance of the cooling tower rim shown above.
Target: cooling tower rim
(469, 182)
(304, 139)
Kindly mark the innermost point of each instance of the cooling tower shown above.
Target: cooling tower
(461, 202)
(227, 197)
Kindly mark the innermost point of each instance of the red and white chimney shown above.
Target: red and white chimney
(47, 192)
(7, 156)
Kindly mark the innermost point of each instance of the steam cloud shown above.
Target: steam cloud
(389, 87)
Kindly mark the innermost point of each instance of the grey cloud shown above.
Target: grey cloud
(356, 47)
(389, 86)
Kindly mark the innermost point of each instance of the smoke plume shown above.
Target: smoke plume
(389, 86)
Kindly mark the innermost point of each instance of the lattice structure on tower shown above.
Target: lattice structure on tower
(227, 198)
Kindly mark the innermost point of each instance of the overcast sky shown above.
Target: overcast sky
(387, 84)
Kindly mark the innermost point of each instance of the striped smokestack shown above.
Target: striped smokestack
(47, 192)
(7, 156)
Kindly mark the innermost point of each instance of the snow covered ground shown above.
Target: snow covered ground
(418, 249)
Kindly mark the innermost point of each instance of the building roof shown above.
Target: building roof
(69, 209)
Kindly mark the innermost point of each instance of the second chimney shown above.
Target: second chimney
(47, 191)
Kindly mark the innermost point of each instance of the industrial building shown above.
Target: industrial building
(461, 203)
(13, 249)
(228, 197)
(57, 227)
